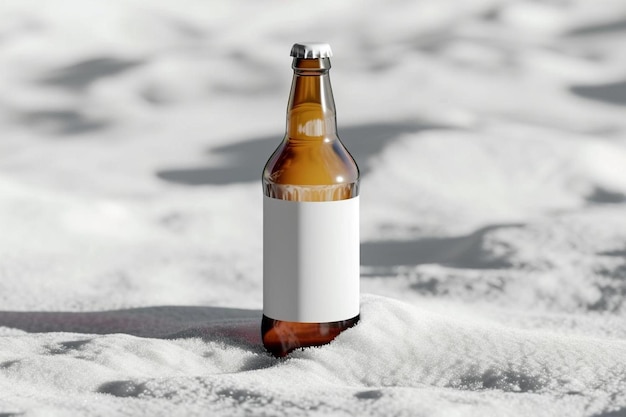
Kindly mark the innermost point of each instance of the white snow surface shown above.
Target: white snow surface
(491, 138)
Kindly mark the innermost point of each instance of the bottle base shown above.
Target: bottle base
(281, 337)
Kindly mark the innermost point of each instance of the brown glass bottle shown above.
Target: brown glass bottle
(311, 165)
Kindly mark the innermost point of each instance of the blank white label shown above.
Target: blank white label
(311, 260)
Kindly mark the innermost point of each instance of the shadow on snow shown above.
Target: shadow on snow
(236, 327)
(245, 159)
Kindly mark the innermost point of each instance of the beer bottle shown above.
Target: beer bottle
(310, 217)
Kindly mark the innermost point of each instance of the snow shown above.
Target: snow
(492, 143)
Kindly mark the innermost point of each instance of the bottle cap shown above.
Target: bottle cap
(311, 50)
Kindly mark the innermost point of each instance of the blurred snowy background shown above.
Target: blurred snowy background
(491, 137)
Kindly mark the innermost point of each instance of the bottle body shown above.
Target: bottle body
(311, 253)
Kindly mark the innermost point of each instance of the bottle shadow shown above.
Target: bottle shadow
(236, 327)
(245, 159)
(230, 326)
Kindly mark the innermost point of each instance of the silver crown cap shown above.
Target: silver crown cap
(311, 50)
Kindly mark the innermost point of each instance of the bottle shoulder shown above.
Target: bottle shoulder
(308, 162)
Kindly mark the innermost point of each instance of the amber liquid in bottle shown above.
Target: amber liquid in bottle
(311, 164)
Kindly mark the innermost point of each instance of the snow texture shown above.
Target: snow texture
(491, 139)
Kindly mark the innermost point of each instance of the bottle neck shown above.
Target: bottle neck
(311, 108)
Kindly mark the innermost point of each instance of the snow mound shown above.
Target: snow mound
(456, 361)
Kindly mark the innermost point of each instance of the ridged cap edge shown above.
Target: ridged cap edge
(311, 50)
